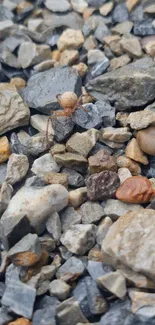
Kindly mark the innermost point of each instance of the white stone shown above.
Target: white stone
(5, 196)
(29, 54)
(116, 208)
(79, 5)
(39, 122)
(17, 168)
(57, 5)
(123, 174)
(45, 164)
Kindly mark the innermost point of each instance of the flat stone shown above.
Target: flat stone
(30, 54)
(131, 46)
(69, 312)
(79, 5)
(60, 289)
(82, 143)
(77, 197)
(113, 282)
(71, 270)
(63, 127)
(102, 229)
(106, 86)
(45, 65)
(119, 62)
(123, 174)
(123, 28)
(9, 59)
(39, 122)
(101, 161)
(119, 135)
(102, 185)
(134, 152)
(44, 165)
(74, 179)
(79, 238)
(117, 245)
(69, 57)
(55, 6)
(6, 191)
(71, 20)
(141, 120)
(58, 148)
(124, 162)
(91, 212)
(69, 217)
(14, 112)
(71, 160)
(145, 139)
(17, 168)
(53, 82)
(70, 39)
(96, 302)
(42, 202)
(116, 208)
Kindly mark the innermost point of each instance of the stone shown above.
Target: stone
(115, 208)
(69, 217)
(5, 28)
(141, 120)
(136, 279)
(119, 62)
(57, 148)
(119, 312)
(18, 82)
(3, 169)
(91, 212)
(80, 294)
(74, 179)
(144, 28)
(126, 225)
(79, 238)
(123, 174)
(90, 43)
(69, 312)
(14, 112)
(71, 160)
(55, 6)
(45, 164)
(106, 8)
(122, 118)
(69, 57)
(105, 86)
(21, 321)
(9, 59)
(101, 32)
(55, 178)
(54, 81)
(123, 28)
(30, 54)
(26, 252)
(60, 289)
(71, 20)
(42, 202)
(131, 46)
(145, 139)
(36, 144)
(119, 135)
(77, 197)
(112, 43)
(131, 4)
(149, 46)
(102, 229)
(150, 9)
(124, 162)
(79, 5)
(70, 39)
(5, 196)
(141, 299)
(35, 24)
(120, 13)
(100, 68)
(45, 65)
(102, 185)
(5, 317)
(17, 168)
(101, 161)
(4, 149)
(95, 56)
(39, 122)
(134, 152)
(48, 244)
(63, 127)
(45, 315)
(136, 189)
(95, 269)
(96, 302)
(82, 143)
(149, 170)
(71, 270)
(113, 282)
(81, 68)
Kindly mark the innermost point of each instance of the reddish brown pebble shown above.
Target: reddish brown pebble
(136, 189)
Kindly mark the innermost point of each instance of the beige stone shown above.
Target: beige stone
(150, 48)
(58, 148)
(141, 299)
(88, 12)
(150, 9)
(122, 118)
(18, 82)
(123, 28)
(56, 178)
(68, 57)
(101, 161)
(131, 4)
(79, 5)
(82, 143)
(102, 229)
(119, 62)
(106, 8)
(81, 68)
(134, 152)
(146, 140)
(70, 39)
(131, 46)
(136, 279)
(152, 181)
(142, 119)
(40, 122)
(113, 41)
(123, 174)
(133, 166)
(69, 160)
(4, 149)
(113, 282)
(77, 197)
(119, 135)
(56, 55)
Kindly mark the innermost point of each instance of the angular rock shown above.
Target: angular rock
(101, 32)
(102, 229)
(4, 149)
(74, 179)
(141, 120)
(44, 316)
(77, 197)
(102, 185)
(141, 299)
(58, 148)
(69, 217)
(144, 28)
(70, 270)
(101, 161)
(55, 6)
(82, 143)
(79, 5)
(131, 46)
(119, 312)
(116, 208)
(79, 238)
(63, 127)
(91, 212)
(5, 196)
(145, 139)
(14, 112)
(136, 279)
(53, 226)
(60, 289)
(95, 269)
(113, 282)
(39, 122)
(138, 75)
(96, 302)
(44, 165)
(30, 54)
(119, 135)
(71, 160)
(119, 62)
(134, 152)
(80, 294)
(52, 82)
(131, 4)
(70, 39)
(69, 312)
(55, 178)
(69, 57)
(42, 202)
(123, 174)
(124, 162)
(120, 13)
(106, 8)
(71, 20)
(17, 168)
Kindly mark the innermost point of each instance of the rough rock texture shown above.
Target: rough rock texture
(17, 168)
(102, 161)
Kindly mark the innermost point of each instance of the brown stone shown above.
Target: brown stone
(133, 166)
(136, 189)
(106, 8)
(122, 118)
(58, 148)
(102, 161)
(134, 152)
(21, 321)
(146, 140)
(4, 149)
(25, 259)
(23, 5)
(70, 39)
(131, 45)
(88, 12)
(141, 299)
(119, 62)
(56, 178)
(18, 82)
(81, 68)
(69, 57)
(56, 55)
(113, 41)
(131, 4)
(77, 197)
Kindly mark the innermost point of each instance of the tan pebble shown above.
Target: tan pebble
(77, 197)
(134, 152)
(70, 39)
(58, 148)
(56, 178)
(69, 57)
(56, 55)
(95, 254)
(88, 12)
(132, 165)
(119, 62)
(146, 140)
(123, 174)
(122, 118)
(106, 8)
(4, 149)
(22, 5)
(131, 4)
(18, 82)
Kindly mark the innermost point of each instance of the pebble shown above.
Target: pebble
(60, 289)
(96, 302)
(74, 179)
(82, 143)
(78, 239)
(71, 20)
(101, 161)
(141, 120)
(102, 185)
(55, 178)
(4, 149)
(123, 174)
(17, 168)
(71, 270)
(31, 54)
(77, 197)
(91, 212)
(71, 160)
(145, 139)
(102, 230)
(113, 282)
(55, 6)
(131, 46)
(123, 28)
(69, 217)
(79, 5)
(119, 62)
(44, 165)
(106, 8)
(70, 39)
(120, 13)
(119, 135)
(134, 152)
(69, 310)
(115, 208)
(131, 4)
(57, 148)
(5, 196)
(39, 122)
(124, 162)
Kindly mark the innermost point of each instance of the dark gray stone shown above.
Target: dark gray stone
(101, 31)
(96, 3)
(118, 314)
(100, 68)
(120, 13)
(44, 316)
(149, 170)
(65, 253)
(63, 127)
(51, 83)
(46, 301)
(5, 13)
(80, 294)
(99, 146)
(2, 74)
(16, 146)
(74, 178)
(137, 14)
(72, 269)
(93, 22)
(144, 28)
(129, 87)
(96, 302)
(5, 317)
(69, 312)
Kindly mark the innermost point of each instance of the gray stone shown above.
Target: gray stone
(71, 160)
(120, 13)
(37, 143)
(30, 54)
(95, 269)
(46, 301)
(101, 31)
(79, 5)
(93, 22)
(45, 164)
(106, 86)
(96, 3)
(63, 127)
(118, 313)
(5, 13)
(5, 28)
(9, 59)
(72, 269)
(42, 202)
(144, 28)
(65, 253)
(16, 146)
(79, 238)
(72, 20)
(5, 316)
(53, 225)
(91, 212)
(96, 302)
(5, 196)
(80, 294)
(69, 312)
(56, 6)
(44, 316)
(60, 289)
(69, 217)
(82, 143)
(113, 282)
(100, 68)
(123, 28)
(116, 208)
(95, 56)
(52, 82)
(47, 243)
(17, 168)
(74, 179)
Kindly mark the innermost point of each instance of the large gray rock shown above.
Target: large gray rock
(127, 87)
(37, 203)
(52, 82)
